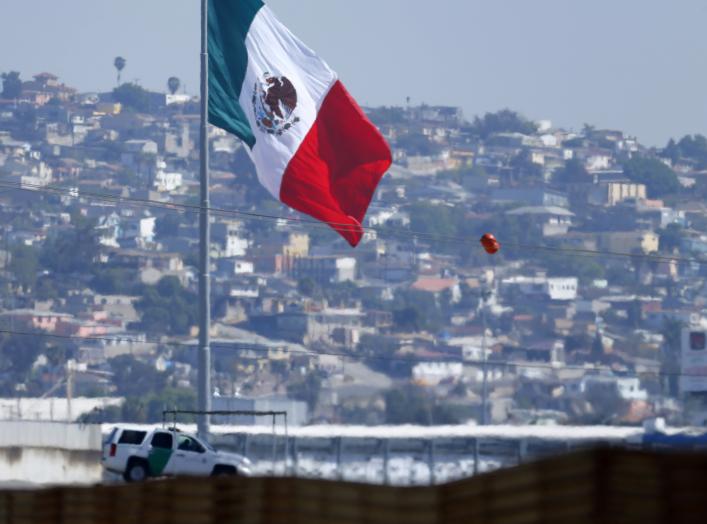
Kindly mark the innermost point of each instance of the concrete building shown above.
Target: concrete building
(693, 358)
(628, 388)
(530, 197)
(297, 410)
(552, 219)
(432, 373)
(563, 289)
(612, 193)
(324, 269)
(630, 241)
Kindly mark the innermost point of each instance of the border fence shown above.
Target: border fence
(603, 486)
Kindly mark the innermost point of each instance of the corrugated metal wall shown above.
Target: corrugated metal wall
(611, 486)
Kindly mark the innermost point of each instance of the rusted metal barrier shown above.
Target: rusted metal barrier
(604, 486)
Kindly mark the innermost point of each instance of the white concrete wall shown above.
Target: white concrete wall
(53, 435)
(53, 409)
(50, 453)
(45, 466)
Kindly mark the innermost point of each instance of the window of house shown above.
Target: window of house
(698, 340)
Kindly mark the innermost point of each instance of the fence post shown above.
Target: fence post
(431, 460)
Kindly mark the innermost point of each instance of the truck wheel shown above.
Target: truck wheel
(224, 471)
(136, 472)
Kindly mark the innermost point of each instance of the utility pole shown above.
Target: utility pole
(69, 389)
(484, 384)
(204, 382)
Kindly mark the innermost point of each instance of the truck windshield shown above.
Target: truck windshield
(206, 445)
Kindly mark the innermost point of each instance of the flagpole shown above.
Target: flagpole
(204, 381)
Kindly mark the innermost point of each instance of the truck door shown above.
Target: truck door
(191, 457)
(160, 453)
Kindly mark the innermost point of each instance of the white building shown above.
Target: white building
(432, 373)
(471, 347)
(629, 388)
(243, 267)
(693, 358)
(140, 230)
(597, 162)
(235, 246)
(177, 98)
(166, 182)
(563, 289)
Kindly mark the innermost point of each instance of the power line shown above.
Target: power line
(359, 358)
(247, 215)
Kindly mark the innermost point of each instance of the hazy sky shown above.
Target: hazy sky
(637, 65)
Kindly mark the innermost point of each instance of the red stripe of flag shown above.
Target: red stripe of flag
(338, 166)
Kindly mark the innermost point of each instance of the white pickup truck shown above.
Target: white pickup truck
(139, 453)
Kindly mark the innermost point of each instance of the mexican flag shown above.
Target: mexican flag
(313, 147)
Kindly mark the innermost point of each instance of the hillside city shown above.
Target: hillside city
(577, 320)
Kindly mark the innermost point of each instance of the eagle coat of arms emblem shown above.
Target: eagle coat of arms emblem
(274, 103)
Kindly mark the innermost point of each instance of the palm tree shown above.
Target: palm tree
(119, 64)
(173, 84)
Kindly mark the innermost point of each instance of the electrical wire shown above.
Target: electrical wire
(148, 203)
(360, 358)
(387, 231)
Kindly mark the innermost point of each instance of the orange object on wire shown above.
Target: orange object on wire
(491, 245)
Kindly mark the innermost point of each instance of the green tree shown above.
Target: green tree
(671, 151)
(561, 265)
(133, 97)
(415, 310)
(167, 308)
(418, 144)
(307, 287)
(307, 389)
(504, 121)
(598, 347)
(436, 219)
(173, 84)
(71, 250)
(128, 177)
(17, 354)
(168, 225)
(659, 179)
(340, 293)
(135, 378)
(379, 353)
(119, 64)
(588, 130)
(145, 409)
(46, 288)
(670, 238)
(574, 172)
(114, 281)
(408, 319)
(24, 264)
(11, 85)
(171, 398)
(692, 147)
(413, 405)
(387, 115)
(670, 355)
(606, 403)
(524, 167)
(510, 231)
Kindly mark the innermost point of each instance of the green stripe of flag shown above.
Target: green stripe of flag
(229, 23)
